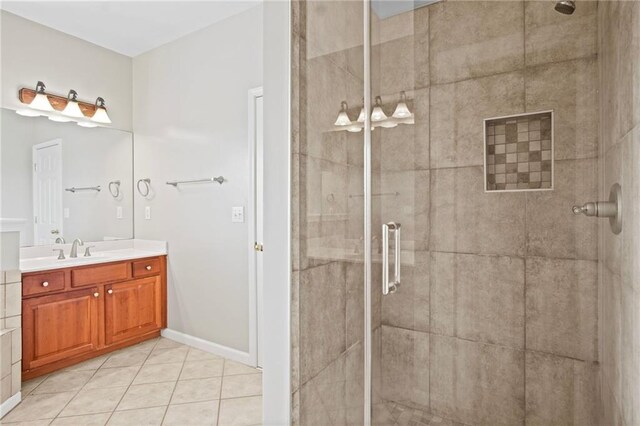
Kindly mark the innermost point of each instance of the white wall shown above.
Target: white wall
(89, 157)
(190, 121)
(31, 52)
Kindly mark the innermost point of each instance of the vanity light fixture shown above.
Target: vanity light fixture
(41, 101)
(88, 124)
(26, 112)
(378, 114)
(101, 116)
(402, 110)
(343, 119)
(59, 118)
(72, 109)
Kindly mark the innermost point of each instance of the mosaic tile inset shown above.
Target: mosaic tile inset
(518, 152)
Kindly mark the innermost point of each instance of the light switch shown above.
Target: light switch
(147, 213)
(237, 214)
(119, 212)
(66, 212)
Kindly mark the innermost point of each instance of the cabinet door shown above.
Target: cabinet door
(59, 326)
(132, 308)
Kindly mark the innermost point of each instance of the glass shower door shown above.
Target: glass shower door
(484, 283)
(400, 178)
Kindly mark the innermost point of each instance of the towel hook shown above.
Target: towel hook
(147, 186)
(114, 188)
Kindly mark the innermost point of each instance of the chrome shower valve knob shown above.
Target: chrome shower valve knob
(611, 209)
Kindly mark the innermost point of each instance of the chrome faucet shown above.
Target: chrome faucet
(74, 247)
(60, 240)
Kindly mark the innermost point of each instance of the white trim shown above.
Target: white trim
(12, 225)
(253, 95)
(10, 404)
(205, 345)
(276, 350)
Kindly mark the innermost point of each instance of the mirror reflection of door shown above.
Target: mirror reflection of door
(47, 191)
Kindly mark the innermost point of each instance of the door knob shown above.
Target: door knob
(258, 247)
(148, 267)
(110, 291)
(55, 231)
(45, 284)
(96, 294)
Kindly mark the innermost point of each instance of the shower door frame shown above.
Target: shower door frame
(368, 286)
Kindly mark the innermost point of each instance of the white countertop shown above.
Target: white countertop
(32, 259)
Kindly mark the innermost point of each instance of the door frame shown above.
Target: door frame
(34, 194)
(255, 292)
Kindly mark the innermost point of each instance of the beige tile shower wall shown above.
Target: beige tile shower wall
(10, 317)
(619, 267)
(496, 320)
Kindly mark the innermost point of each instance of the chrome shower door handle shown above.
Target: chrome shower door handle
(389, 286)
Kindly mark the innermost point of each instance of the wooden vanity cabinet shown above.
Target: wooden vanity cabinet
(74, 314)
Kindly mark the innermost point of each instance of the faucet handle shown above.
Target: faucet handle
(87, 251)
(60, 253)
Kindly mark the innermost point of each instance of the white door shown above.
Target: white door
(259, 225)
(47, 191)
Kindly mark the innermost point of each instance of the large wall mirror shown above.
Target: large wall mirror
(67, 181)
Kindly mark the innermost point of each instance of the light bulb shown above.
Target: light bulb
(378, 114)
(72, 109)
(87, 124)
(41, 102)
(59, 118)
(389, 123)
(101, 115)
(402, 110)
(343, 118)
(28, 112)
(361, 116)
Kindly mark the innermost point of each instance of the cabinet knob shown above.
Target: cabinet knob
(96, 294)
(45, 284)
(110, 291)
(148, 267)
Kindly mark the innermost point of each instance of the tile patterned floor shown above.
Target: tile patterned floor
(157, 382)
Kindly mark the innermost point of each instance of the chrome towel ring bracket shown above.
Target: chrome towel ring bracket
(144, 187)
(114, 188)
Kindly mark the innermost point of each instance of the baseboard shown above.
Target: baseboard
(10, 404)
(205, 345)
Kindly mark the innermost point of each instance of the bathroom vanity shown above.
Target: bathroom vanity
(85, 307)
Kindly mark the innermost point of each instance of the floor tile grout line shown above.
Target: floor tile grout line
(175, 385)
(224, 366)
(128, 387)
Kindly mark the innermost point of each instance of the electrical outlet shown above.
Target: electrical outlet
(237, 214)
(147, 213)
(119, 212)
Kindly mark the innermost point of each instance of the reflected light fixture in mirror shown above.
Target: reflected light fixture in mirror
(343, 119)
(378, 114)
(41, 101)
(101, 116)
(72, 109)
(402, 110)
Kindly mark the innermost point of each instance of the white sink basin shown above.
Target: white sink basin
(52, 262)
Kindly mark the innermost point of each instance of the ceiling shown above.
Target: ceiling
(127, 27)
